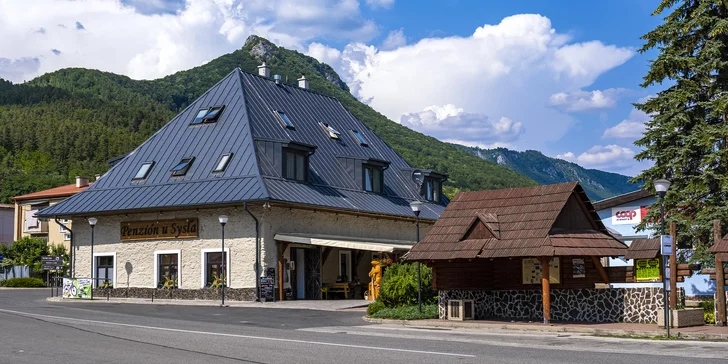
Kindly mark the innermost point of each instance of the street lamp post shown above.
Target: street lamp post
(416, 205)
(223, 220)
(661, 186)
(92, 221)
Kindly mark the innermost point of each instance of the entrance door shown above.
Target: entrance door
(306, 278)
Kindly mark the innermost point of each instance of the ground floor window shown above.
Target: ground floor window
(167, 269)
(213, 268)
(104, 271)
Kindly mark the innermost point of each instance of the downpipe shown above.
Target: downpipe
(70, 249)
(257, 252)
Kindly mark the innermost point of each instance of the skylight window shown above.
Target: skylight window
(223, 163)
(283, 118)
(144, 170)
(328, 129)
(182, 168)
(208, 115)
(359, 138)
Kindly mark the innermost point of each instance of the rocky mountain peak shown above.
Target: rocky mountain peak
(260, 48)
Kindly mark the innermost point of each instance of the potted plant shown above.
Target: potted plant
(169, 283)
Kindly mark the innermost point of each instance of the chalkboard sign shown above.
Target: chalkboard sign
(267, 288)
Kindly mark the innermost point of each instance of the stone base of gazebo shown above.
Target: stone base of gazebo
(633, 305)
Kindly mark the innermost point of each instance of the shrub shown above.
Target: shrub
(24, 282)
(374, 307)
(408, 313)
(709, 314)
(399, 285)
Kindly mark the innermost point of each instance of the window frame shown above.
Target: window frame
(359, 138)
(284, 119)
(94, 280)
(438, 190)
(183, 171)
(346, 253)
(295, 152)
(373, 167)
(207, 120)
(203, 265)
(157, 253)
(330, 131)
(224, 167)
(146, 174)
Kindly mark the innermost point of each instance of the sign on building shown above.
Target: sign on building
(532, 271)
(628, 215)
(77, 288)
(160, 229)
(647, 270)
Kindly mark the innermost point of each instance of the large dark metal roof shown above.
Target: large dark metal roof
(249, 115)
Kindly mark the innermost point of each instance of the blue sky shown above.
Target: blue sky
(555, 76)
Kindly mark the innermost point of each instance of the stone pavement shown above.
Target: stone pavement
(707, 332)
(321, 305)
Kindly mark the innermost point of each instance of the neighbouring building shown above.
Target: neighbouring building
(530, 253)
(307, 189)
(27, 223)
(7, 220)
(621, 215)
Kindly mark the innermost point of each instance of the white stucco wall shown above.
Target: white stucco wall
(239, 241)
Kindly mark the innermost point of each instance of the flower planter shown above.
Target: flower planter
(682, 318)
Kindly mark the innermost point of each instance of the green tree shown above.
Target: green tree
(687, 137)
(27, 251)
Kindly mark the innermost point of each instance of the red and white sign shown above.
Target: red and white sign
(627, 215)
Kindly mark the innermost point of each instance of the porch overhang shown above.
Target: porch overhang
(346, 242)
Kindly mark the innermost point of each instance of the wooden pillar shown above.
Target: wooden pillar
(673, 266)
(280, 271)
(600, 268)
(546, 289)
(720, 303)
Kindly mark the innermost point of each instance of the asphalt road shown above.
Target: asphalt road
(34, 331)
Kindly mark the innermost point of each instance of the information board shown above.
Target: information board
(77, 288)
(267, 288)
(532, 271)
(647, 270)
(51, 262)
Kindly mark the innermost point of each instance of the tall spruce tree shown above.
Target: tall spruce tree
(687, 137)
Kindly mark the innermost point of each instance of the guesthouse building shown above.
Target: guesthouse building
(297, 190)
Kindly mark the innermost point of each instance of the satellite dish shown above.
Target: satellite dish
(418, 177)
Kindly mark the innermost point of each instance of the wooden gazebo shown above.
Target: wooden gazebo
(519, 239)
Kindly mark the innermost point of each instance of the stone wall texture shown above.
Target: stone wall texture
(634, 305)
(214, 294)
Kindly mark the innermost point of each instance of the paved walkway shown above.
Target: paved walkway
(321, 305)
(707, 332)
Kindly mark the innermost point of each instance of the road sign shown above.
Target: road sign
(666, 245)
(2, 257)
(51, 262)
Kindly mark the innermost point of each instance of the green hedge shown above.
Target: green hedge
(24, 283)
(709, 311)
(399, 285)
(407, 313)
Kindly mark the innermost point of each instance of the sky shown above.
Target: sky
(559, 77)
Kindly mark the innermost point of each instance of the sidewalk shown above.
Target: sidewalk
(321, 305)
(707, 332)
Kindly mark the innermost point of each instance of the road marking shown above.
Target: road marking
(236, 335)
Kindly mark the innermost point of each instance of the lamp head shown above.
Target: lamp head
(92, 221)
(416, 207)
(661, 186)
(223, 219)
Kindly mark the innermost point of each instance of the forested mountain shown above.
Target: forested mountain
(69, 122)
(544, 170)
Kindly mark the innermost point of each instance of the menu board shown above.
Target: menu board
(647, 270)
(267, 288)
(532, 272)
(578, 268)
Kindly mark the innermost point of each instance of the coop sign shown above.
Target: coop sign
(160, 229)
(626, 215)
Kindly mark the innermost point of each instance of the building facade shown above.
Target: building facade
(621, 215)
(309, 197)
(27, 223)
(7, 221)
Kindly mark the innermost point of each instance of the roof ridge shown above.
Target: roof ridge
(286, 84)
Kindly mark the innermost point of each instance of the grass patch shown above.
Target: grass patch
(407, 313)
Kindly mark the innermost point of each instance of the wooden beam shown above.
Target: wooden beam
(325, 255)
(600, 269)
(673, 266)
(281, 250)
(546, 289)
(720, 319)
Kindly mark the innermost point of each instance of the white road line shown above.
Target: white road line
(235, 335)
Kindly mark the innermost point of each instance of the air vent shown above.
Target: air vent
(460, 310)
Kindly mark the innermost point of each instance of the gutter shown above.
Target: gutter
(70, 249)
(257, 252)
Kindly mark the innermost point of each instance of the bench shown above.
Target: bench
(336, 288)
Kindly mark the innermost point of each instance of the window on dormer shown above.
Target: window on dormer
(330, 131)
(182, 167)
(433, 189)
(295, 165)
(373, 178)
(144, 170)
(283, 118)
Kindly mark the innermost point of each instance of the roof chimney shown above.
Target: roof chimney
(81, 181)
(97, 177)
(303, 82)
(277, 78)
(263, 70)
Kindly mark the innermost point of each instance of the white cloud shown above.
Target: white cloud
(511, 68)
(156, 41)
(631, 128)
(452, 124)
(395, 39)
(17, 69)
(612, 157)
(586, 100)
(380, 4)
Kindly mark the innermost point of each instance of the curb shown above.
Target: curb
(198, 303)
(543, 328)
